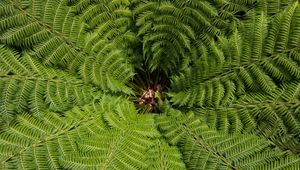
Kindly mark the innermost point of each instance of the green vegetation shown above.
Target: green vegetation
(149, 84)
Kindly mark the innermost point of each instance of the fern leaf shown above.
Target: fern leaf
(163, 156)
(206, 149)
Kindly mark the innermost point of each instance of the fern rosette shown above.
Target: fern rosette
(139, 84)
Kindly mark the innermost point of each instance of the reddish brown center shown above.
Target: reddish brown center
(148, 98)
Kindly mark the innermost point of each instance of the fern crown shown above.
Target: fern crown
(149, 84)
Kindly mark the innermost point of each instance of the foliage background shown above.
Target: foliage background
(66, 71)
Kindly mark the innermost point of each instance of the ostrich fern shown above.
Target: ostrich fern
(222, 79)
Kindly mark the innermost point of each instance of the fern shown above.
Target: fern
(203, 148)
(54, 34)
(27, 84)
(254, 67)
(163, 156)
(138, 84)
(249, 114)
(166, 24)
(30, 142)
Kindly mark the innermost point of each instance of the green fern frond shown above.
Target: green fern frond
(249, 114)
(124, 144)
(252, 67)
(272, 7)
(111, 149)
(204, 148)
(31, 142)
(25, 83)
(188, 21)
(163, 156)
(278, 37)
(53, 141)
(108, 72)
(53, 36)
